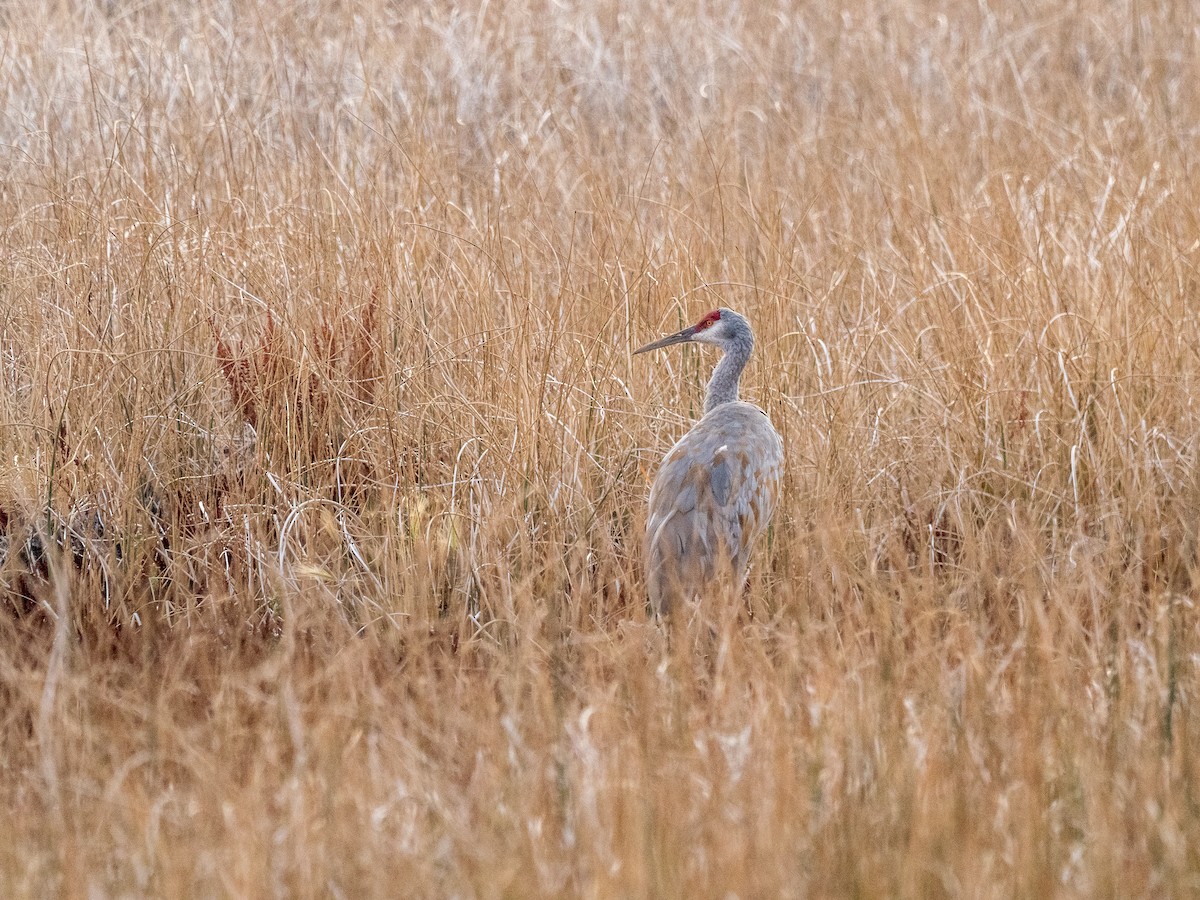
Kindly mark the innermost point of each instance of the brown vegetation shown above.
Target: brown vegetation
(323, 460)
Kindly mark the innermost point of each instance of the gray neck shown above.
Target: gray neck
(723, 387)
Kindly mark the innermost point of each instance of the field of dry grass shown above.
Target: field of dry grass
(323, 458)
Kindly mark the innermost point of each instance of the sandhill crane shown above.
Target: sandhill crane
(718, 487)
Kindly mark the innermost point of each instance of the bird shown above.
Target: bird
(718, 487)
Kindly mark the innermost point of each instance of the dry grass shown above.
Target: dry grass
(324, 460)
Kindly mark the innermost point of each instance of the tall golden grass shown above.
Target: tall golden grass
(323, 459)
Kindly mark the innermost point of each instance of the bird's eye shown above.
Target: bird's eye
(709, 320)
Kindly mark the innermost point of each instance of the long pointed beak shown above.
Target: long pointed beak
(678, 338)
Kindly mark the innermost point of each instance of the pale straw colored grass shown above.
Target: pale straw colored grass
(391, 640)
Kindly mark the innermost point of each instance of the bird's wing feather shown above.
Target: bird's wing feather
(712, 498)
(721, 479)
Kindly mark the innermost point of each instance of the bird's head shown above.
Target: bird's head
(721, 327)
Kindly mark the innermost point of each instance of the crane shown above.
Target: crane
(718, 486)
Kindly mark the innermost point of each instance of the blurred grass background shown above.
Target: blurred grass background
(323, 460)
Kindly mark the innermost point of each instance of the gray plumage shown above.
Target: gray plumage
(719, 485)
